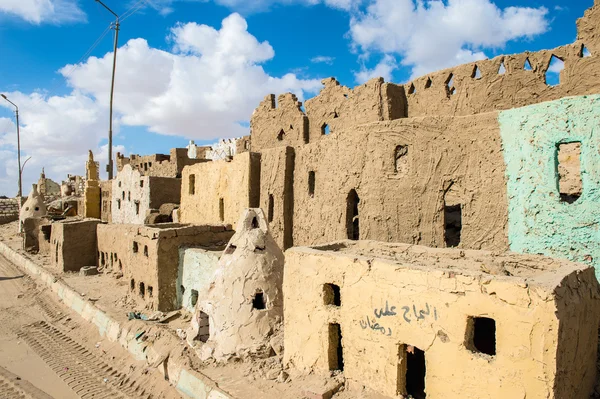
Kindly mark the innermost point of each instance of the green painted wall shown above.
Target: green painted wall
(539, 223)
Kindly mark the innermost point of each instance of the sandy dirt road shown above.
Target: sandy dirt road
(46, 352)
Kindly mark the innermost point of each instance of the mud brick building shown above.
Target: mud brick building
(148, 256)
(405, 320)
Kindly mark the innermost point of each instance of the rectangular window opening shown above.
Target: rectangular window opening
(194, 297)
(259, 302)
(146, 251)
(415, 372)
(335, 351)
(271, 208)
(47, 231)
(332, 295)
(568, 171)
(137, 207)
(452, 225)
(135, 247)
(221, 209)
(192, 184)
(481, 335)
(311, 183)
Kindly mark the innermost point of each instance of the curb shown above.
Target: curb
(188, 382)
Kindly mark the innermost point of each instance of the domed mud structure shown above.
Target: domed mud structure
(244, 305)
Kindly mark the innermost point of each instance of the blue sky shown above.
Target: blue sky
(197, 69)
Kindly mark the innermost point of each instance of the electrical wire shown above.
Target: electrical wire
(135, 8)
(73, 68)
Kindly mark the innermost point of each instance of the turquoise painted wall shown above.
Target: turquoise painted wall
(539, 223)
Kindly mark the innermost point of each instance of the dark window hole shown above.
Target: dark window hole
(335, 352)
(258, 302)
(331, 295)
(452, 225)
(481, 335)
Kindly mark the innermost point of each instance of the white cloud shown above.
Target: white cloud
(322, 59)
(44, 11)
(206, 87)
(209, 83)
(432, 35)
(383, 69)
(56, 132)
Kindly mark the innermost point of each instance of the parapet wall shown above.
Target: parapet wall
(285, 123)
(489, 85)
(159, 165)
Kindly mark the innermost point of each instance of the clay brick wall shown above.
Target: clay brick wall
(9, 210)
(219, 191)
(276, 193)
(395, 299)
(454, 91)
(285, 123)
(159, 165)
(74, 244)
(402, 195)
(148, 256)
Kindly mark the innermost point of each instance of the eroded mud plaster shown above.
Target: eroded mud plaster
(488, 325)
(244, 305)
(539, 221)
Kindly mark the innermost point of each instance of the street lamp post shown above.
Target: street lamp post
(18, 148)
(109, 167)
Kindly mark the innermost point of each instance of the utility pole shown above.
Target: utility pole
(109, 167)
(20, 195)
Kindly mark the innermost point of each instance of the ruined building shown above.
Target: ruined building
(159, 165)
(446, 160)
(416, 239)
(409, 320)
(47, 187)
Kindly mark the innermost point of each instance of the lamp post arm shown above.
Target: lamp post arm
(109, 10)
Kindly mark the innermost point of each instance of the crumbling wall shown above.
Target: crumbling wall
(134, 195)
(278, 124)
(217, 192)
(243, 144)
(370, 308)
(503, 82)
(404, 173)
(74, 244)
(276, 193)
(148, 256)
(159, 165)
(336, 107)
(540, 221)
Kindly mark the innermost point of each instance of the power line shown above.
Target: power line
(136, 7)
(75, 66)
